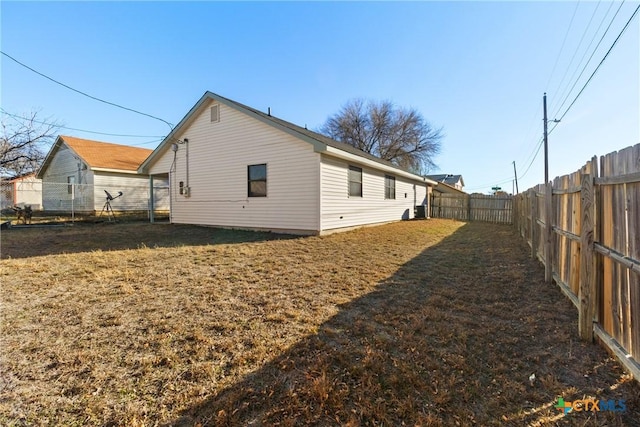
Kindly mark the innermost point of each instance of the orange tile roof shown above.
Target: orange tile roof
(107, 155)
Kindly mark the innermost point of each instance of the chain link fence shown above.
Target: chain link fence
(21, 193)
(70, 199)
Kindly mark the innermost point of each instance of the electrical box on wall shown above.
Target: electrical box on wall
(184, 190)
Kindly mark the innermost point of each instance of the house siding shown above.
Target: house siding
(219, 154)
(55, 195)
(163, 163)
(88, 193)
(28, 192)
(134, 188)
(341, 211)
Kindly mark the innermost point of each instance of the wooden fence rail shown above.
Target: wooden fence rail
(473, 207)
(585, 228)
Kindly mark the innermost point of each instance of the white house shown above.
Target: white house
(233, 166)
(454, 181)
(24, 190)
(77, 173)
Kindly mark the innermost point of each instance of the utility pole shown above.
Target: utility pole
(515, 174)
(546, 140)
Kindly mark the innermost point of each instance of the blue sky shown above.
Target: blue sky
(477, 69)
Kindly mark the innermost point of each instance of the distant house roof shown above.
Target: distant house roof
(449, 189)
(19, 177)
(447, 179)
(100, 155)
(319, 141)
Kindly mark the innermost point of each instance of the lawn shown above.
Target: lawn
(418, 323)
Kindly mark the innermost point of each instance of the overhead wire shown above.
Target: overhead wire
(533, 159)
(558, 121)
(76, 129)
(480, 187)
(538, 146)
(575, 52)
(588, 61)
(526, 159)
(555, 64)
(635, 12)
(84, 93)
(530, 159)
(604, 17)
(529, 135)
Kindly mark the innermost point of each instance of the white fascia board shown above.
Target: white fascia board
(334, 152)
(117, 171)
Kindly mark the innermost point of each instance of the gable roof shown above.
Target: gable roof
(447, 178)
(99, 155)
(320, 142)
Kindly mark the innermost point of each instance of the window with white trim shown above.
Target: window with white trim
(389, 187)
(355, 181)
(71, 180)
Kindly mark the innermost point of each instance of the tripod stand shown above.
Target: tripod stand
(107, 206)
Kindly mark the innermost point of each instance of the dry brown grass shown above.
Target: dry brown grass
(423, 323)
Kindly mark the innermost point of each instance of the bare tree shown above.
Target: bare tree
(23, 142)
(399, 135)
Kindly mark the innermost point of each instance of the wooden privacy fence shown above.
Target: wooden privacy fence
(585, 228)
(472, 207)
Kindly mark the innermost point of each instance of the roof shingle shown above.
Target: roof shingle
(106, 155)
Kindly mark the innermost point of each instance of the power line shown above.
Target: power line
(76, 129)
(532, 160)
(604, 17)
(575, 52)
(529, 134)
(600, 64)
(563, 42)
(86, 94)
(478, 187)
(589, 60)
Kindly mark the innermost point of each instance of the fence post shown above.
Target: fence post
(587, 290)
(548, 215)
(152, 202)
(598, 230)
(514, 211)
(534, 222)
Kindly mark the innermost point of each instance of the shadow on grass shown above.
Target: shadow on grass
(451, 338)
(28, 241)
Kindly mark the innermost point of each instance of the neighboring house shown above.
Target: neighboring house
(444, 188)
(454, 181)
(24, 190)
(77, 172)
(236, 167)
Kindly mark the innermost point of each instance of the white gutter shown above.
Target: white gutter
(134, 172)
(334, 152)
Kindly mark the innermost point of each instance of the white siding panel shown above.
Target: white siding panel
(28, 192)
(339, 210)
(55, 196)
(134, 188)
(219, 154)
(162, 164)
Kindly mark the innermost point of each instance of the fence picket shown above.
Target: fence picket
(602, 206)
(473, 207)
